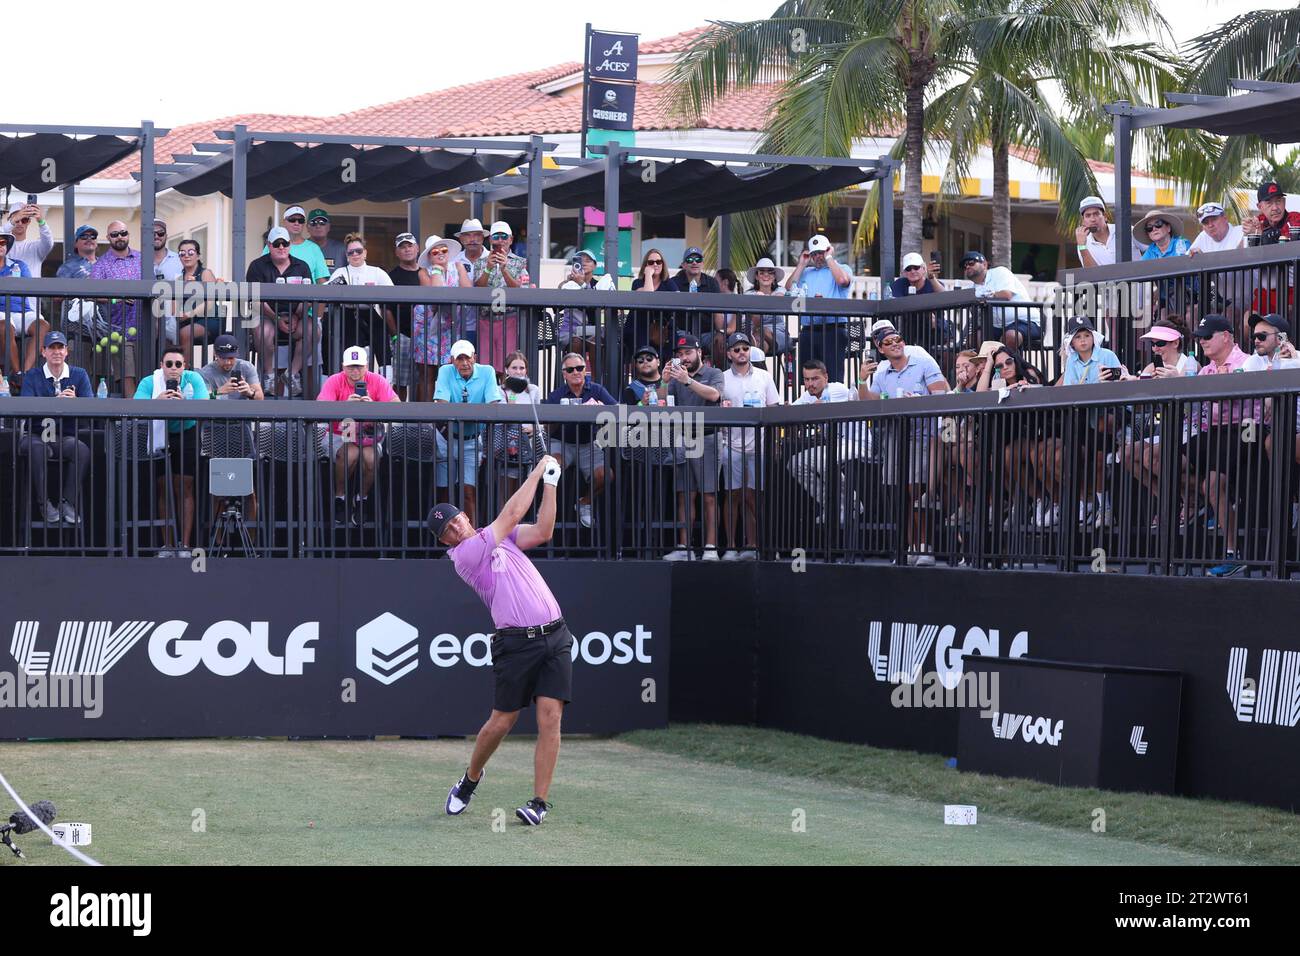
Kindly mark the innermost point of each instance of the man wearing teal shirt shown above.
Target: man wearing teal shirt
(173, 381)
(463, 380)
(300, 248)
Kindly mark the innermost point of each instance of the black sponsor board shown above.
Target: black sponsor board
(610, 105)
(612, 56)
(1234, 642)
(306, 648)
(1081, 725)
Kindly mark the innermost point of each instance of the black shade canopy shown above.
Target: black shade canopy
(336, 173)
(1273, 115)
(44, 161)
(693, 186)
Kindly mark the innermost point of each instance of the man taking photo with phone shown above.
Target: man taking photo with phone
(354, 445)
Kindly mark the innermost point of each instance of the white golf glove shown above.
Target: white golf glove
(551, 473)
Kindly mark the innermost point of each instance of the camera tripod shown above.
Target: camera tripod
(229, 523)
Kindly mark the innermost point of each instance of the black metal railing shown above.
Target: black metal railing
(1173, 476)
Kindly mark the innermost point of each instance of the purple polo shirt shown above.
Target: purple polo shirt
(505, 580)
(121, 315)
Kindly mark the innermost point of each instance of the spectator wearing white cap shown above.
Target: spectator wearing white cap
(914, 280)
(818, 276)
(281, 324)
(407, 272)
(473, 255)
(1217, 233)
(354, 445)
(433, 328)
(498, 330)
(1095, 238)
(572, 330)
(294, 223)
(464, 380)
(31, 252)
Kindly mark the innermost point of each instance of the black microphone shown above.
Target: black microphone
(21, 822)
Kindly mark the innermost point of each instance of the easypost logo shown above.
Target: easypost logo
(1272, 699)
(1033, 730)
(910, 645)
(388, 648)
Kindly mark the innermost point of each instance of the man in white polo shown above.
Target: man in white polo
(1217, 233)
(1095, 239)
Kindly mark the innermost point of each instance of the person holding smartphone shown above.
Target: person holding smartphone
(1271, 336)
(354, 445)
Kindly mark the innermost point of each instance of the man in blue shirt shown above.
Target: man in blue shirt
(463, 380)
(574, 442)
(818, 275)
(57, 379)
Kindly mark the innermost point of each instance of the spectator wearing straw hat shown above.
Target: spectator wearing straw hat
(1164, 230)
(433, 327)
(764, 278)
(1217, 233)
(1095, 237)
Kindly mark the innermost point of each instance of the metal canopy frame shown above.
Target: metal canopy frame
(615, 154)
(145, 135)
(1193, 111)
(235, 151)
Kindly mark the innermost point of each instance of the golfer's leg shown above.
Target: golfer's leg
(549, 712)
(489, 738)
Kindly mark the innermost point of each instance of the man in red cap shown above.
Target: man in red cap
(1273, 224)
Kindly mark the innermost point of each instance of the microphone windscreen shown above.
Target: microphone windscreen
(43, 810)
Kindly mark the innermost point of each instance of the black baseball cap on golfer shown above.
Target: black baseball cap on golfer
(226, 345)
(1211, 324)
(440, 516)
(1269, 191)
(685, 340)
(972, 256)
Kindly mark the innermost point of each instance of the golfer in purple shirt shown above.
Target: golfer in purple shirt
(532, 649)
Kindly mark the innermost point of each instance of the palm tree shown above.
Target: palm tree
(851, 69)
(1259, 45)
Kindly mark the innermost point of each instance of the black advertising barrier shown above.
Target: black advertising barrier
(306, 648)
(1080, 725)
(836, 643)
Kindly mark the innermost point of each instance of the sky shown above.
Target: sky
(175, 64)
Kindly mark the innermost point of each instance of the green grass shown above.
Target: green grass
(696, 794)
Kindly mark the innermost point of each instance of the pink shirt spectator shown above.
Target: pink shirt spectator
(1229, 413)
(338, 388)
(505, 580)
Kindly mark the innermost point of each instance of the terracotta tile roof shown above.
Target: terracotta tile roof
(675, 43)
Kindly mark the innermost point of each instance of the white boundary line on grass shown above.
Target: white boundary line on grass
(57, 842)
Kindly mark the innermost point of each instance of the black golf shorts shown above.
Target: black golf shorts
(526, 668)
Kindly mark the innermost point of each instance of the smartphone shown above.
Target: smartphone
(935, 257)
(1112, 373)
(235, 377)
(359, 387)
(31, 199)
(1157, 360)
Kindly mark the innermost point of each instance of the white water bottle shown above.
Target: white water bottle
(102, 391)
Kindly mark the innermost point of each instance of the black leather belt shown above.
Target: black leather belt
(541, 630)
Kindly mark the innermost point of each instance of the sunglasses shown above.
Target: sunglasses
(1004, 365)
(764, 272)
(576, 368)
(912, 268)
(499, 236)
(654, 262)
(280, 244)
(320, 222)
(120, 234)
(159, 235)
(167, 364)
(647, 358)
(296, 220)
(92, 236)
(1261, 336)
(693, 259)
(1157, 224)
(356, 252)
(891, 340)
(440, 251)
(738, 349)
(186, 252)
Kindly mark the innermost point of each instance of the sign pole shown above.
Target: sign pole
(582, 148)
